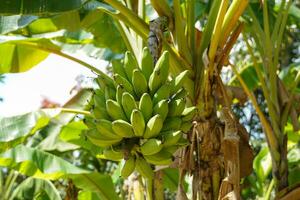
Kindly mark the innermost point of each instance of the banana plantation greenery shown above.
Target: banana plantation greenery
(199, 100)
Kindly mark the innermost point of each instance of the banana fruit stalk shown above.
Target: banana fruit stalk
(141, 115)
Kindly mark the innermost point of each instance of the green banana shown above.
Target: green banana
(139, 83)
(100, 140)
(128, 167)
(110, 93)
(146, 106)
(186, 126)
(122, 128)
(153, 126)
(162, 93)
(124, 82)
(117, 68)
(99, 99)
(89, 122)
(119, 93)
(110, 154)
(151, 146)
(172, 123)
(176, 107)
(105, 128)
(189, 113)
(183, 141)
(161, 108)
(100, 113)
(138, 122)
(171, 138)
(129, 65)
(161, 158)
(105, 81)
(160, 73)
(114, 110)
(172, 149)
(128, 104)
(178, 81)
(182, 93)
(147, 64)
(144, 168)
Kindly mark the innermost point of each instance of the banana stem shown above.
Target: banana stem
(74, 111)
(149, 186)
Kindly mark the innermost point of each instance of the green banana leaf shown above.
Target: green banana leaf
(109, 36)
(86, 195)
(100, 184)
(39, 164)
(49, 138)
(262, 164)
(11, 7)
(21, 55)
(249, 76)
(34, 189)
(15, 22)
(36, 163)
(14, 130)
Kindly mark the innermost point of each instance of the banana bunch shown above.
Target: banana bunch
(141, 114)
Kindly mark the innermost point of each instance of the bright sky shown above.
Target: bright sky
(53, 78)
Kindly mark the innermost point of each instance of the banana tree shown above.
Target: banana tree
(198, 38)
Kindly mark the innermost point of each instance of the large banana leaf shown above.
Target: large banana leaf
(10, 7)
(21, 55)
(15, 22)
(34, 189)
(86, 195)
(14, 130)
(48, 139)
(39, 164)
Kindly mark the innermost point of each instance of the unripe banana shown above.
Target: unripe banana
(172, 123)
(110, 93)
(114, 110)
(171, 138)
(153, 126)
(124, 82)
(138, 122)
(183, 141)
(100, 140)
(139, 83)
(182, 93)
(117, 68)
(144, 168)
(176, 107)
(119, 93)
(186, 126)
(105, 128)
(90, 122)
(147, 64)
(110, 154)
(128, 104)
(151, 146)
(178, 81)
(146, 106)
(99, 99)
(160, 73)
(161, 158)
(161, 108)
(100, 113)
(172, 149)
(128, 167)
(105, 81)
(129, 65)
(189, 86)
(162, 93)
(189, 113)
(122, 128)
